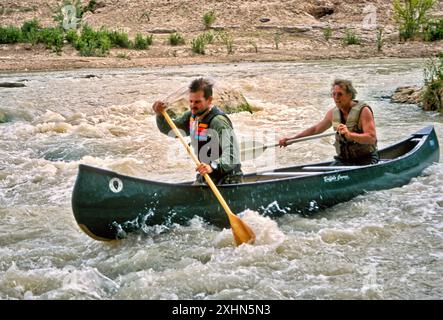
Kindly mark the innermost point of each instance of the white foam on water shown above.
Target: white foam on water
(49, 116)
(128, 166)
(57, 127)
(266, 231)
(395, 234)
(89, 281)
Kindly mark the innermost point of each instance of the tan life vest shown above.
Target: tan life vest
(351, 150)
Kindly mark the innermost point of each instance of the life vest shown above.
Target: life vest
(201, 136)
(351, 150)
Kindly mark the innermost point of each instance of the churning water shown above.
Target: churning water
(381, 245)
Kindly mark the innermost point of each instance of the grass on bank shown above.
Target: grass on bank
(209, 18)
(198, 44)
(433, 30)
(32, 32)
(228, 41)
(413, 18)
(88, 42)
(351, 38)
(379, 41)
(432, 97)
(327, 33)
(175, 39)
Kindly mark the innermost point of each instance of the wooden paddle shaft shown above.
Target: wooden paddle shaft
(259, 148)
(197, 162)
(291, 141)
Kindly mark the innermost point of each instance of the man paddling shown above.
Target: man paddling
(353, 121)
(212, 134)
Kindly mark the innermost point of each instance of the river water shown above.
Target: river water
(381, 245)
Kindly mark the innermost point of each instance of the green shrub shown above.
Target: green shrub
(10, 35)
(208, 37)
(351, 38)
(209, 18)
(327, 33)
(119, 39)
(433, 89)
(93, 43)
(31, 25)
(140, 43)
(434, 30)
(71, 36)
(228, 41)
(379, 40)
(32, 37)
(176, 39)
(198, 45)
(30, 31)
(411, 15)
(52, 38)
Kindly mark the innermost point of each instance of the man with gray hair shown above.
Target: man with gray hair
(212, 134)
(353, 121)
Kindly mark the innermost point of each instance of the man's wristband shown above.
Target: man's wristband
(214, 165)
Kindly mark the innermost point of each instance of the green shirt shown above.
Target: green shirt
(230, 155)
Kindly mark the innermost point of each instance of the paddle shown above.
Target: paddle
(241, 231)
(257, 148)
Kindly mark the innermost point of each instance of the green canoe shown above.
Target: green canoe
(108, 205)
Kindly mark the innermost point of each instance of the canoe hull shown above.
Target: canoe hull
(107, 205)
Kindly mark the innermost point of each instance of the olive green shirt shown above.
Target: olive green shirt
(230, 156)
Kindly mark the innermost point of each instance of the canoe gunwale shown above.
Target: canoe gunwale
(424, 135)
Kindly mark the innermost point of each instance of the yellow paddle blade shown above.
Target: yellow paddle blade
(241, 231)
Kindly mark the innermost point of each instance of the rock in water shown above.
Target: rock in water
(2, 117)
(228, 100)
(11, 85)
(408, 94)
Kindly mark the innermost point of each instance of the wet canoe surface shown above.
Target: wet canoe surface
(108, 205)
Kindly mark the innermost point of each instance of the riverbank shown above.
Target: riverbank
(252, 31)
(22, 57)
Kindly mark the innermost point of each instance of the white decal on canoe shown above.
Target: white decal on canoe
(336, 178)
(116, 185)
